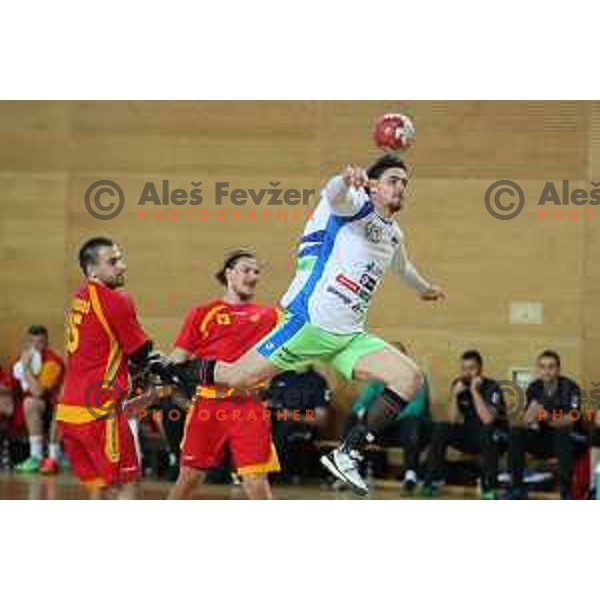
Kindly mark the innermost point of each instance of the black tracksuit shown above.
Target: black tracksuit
(543, 440)
(472, 435)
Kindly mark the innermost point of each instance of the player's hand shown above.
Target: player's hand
(433, 294)
(476, 383)
(140, 401)
(185, 376)
(532, 417)
(354, 176)
(26, 357)
(459, 387)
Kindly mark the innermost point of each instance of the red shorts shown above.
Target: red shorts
(101, 452)
(243, 427)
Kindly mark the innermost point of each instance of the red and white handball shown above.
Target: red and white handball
(393, 132)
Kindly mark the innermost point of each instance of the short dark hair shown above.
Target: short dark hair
(88, 253)
(473, 355)
(387, 161)
(230, 261)
(550, 354)
(37, 330)
(400, 346)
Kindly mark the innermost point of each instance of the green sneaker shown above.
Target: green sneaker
(431, 490)
(64, 464)
(489, 495)
(31, 465)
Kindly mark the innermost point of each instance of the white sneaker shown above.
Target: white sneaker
(342, 466)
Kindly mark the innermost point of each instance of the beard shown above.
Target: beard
(396, 206)
(391, 203)
(118, 281)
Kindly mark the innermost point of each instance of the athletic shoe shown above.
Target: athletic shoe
(49, 467)
(343, 467)
(410, 481)
(31, 465)
(431, 489)
(489, 495)
(516, 493)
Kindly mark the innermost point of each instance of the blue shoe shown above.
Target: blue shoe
(516, 493)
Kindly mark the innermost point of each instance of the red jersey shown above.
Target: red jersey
(6, 380)
(52, 374)
(103, 331)
(224, 331)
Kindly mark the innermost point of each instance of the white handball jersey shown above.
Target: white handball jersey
(344, 252)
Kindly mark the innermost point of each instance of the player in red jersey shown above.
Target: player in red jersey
(226, 329)
(103, 337)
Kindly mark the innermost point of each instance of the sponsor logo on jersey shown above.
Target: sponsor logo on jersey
(360, 308)
(339, 294)
(373, 232)
(369, 282)
(364, 295)
(374, 268)
(348, 283)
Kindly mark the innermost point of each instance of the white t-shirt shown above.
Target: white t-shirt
(35, 366)
(344, 252)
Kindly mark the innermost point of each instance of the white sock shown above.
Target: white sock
(54, 451)
(134, 426)
(594, 460)
(410, 475)
(36, 446)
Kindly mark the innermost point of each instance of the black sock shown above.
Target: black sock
(384, 410)
(356, 439)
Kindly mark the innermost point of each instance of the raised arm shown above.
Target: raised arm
(345, 193)
(407, 271)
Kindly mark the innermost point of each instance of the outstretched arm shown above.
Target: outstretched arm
(404, 267)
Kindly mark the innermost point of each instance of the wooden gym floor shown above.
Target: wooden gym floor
(65, 487)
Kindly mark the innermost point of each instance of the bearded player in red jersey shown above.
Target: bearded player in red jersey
(104, 336)
(226, 329)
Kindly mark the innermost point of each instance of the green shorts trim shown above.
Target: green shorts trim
(295, 343)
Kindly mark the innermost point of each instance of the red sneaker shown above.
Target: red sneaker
(49, 467)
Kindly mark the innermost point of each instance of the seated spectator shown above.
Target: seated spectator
(7, 401)
(164, 423)
(548, 430)
(39, 373)
(476, 424)
(411, 429)
(299, 402)
(594, 450)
